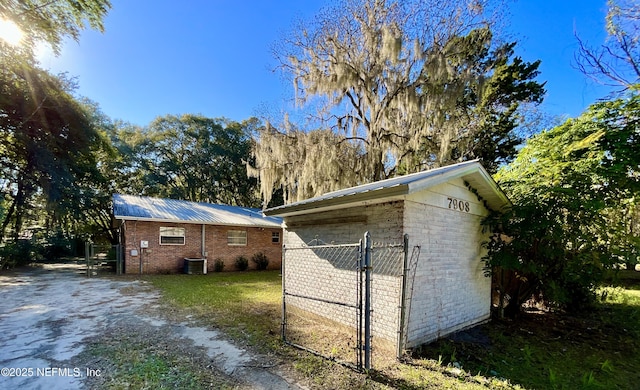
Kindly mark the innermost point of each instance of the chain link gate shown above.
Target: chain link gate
(97, 256)
(327, 304)
(389, 301)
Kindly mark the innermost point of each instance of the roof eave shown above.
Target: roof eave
(496, 188)
(443, 177)
(497, 200)
(491, 192)
(374, 196)
(258, 225)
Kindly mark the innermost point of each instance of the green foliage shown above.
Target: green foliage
(545, 350)
(63, 158)
(480, 103)
(190, 157)
(245, 305)
(607, 366)
(139, 363)
(261, 261)
(568, 185)
(549, 243)
(57, 246)
(52, 21)
(49, 165)
(408, 85)
(42, 245)
(553, 378)
(561, 350)
(18, 252)
(241, 263)
(48, 144)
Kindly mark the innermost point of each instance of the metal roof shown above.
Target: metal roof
(142, 208)
(395, 188)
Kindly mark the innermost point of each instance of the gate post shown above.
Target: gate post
(359, 303)
(87, 256)
(367, 301)
(403, 298)
(119, 258)
(284, 293)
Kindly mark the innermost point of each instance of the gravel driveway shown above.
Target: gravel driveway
(49, 315)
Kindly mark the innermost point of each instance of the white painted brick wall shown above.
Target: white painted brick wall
(383, 221)
(312, 273)
(450, 289)
(319, 278)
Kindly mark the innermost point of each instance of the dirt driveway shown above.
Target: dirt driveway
(49, 315)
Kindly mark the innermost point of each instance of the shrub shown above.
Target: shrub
(18, 253)
(261, 261)
(241, 263)
(218, 265)
(58, 246)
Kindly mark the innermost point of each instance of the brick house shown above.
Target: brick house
(158, 234)
(441, 211)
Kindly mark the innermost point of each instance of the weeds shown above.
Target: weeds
(528, 354)
(553, 378)
(599, 349)
(596, 349)
(588, 380)
(607, 366)
(136, 363)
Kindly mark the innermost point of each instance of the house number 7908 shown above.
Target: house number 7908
(458, 204)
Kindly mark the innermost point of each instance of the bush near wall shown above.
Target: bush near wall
(261, 261)
(241, 263)
(218, 265)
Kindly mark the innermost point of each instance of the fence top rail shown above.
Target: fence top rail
(382, 245)
(322, 246)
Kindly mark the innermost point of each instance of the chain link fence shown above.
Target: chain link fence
(344, 301)
(322, 309)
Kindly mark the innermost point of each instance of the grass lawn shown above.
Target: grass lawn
(245, 305)
(600, 349)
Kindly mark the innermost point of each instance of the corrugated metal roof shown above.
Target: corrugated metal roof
(142, 208)
(471, 171)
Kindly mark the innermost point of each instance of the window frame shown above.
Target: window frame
(274, 235)
(239, 238)
(173, 230)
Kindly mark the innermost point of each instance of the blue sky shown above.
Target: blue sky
(212, 57)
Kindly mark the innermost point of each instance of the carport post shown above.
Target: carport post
(367, 301)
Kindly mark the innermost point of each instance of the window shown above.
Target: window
(275, 237)
(237, 237)
(171, 236)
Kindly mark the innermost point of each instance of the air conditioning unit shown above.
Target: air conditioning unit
(195, 266)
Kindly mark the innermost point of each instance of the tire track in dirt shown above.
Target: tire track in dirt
(48, 315)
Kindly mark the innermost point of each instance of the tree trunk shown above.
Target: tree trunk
(7, 219)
